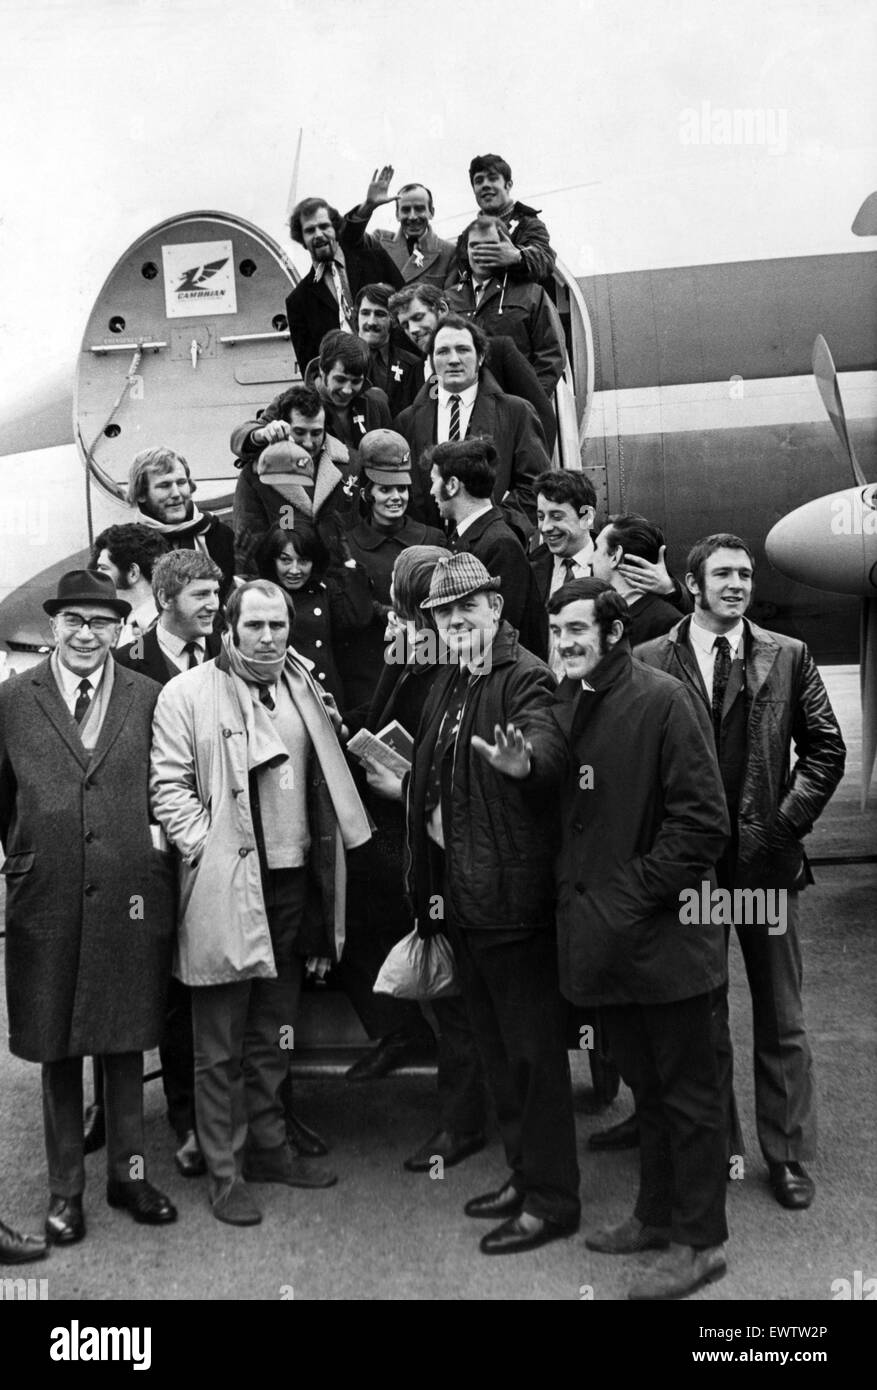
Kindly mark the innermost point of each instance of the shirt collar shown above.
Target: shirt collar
(71, 681)
(582, 558)
(324, 266)
(467, 397)
(464, 525)
(704, 640)
(174, 644)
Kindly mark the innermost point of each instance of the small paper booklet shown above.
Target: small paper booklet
(392, 747)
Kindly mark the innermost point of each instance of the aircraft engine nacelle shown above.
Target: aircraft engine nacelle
(830, 543)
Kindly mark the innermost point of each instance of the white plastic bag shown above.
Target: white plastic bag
(419, 968)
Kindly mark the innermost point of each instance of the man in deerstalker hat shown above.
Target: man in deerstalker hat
(486, 764)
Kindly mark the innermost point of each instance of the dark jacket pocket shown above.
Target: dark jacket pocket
(20, 863)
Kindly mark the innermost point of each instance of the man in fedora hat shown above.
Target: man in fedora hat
(87, 947)
(487, 761)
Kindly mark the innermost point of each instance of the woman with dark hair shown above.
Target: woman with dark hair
(376, 543)
(332, 600)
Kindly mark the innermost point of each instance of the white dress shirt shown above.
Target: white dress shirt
(443, 416)
(70, 683)
(463, 526)
(172, 647)
(703, 644)
(581, 567)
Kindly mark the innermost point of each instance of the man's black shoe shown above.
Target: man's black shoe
(450, 1148)
(621, 1136)
(16, 1249)
(792, 1185)
(145, 1203)
(305, 1142)
(94, 1128)
(523, 1232)
(390, 1053)
(65, 1223)
(506, 1202)
(189, 1159)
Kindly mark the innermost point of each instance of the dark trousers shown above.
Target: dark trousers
(62, 1120)
(178, 1059)
(785, 1105)
(461, 1090)
(666, 1054)
(242, 1037)
(510, 987)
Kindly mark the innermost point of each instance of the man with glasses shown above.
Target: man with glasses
(89, 895)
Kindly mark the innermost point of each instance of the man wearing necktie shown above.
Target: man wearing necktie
(764, 695)
(420, 256)
(90, 899)
(343, 259)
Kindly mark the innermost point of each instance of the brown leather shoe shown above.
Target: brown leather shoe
(682, 1271)
(508, 1201)
(523, 1232)
(627, 1238)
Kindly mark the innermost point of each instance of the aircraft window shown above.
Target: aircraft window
(113, 431)
(149, 270)
(279, 324)
(247, 268)
(117, 324)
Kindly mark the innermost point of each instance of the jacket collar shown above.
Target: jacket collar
(761, 648)
(614, 667)
(370, 538)
(52, 703)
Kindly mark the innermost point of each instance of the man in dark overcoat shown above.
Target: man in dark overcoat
(90, 895)
(643, 822)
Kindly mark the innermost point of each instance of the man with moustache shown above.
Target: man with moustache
(251, 786)
(420, 256)
(394, 371)
(160, 486)
(762, 694)
(90, 895)
(343, 259)
(643, 820)
(418, 308)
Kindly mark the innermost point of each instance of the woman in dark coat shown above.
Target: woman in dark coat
(331, 600)
(376, 543)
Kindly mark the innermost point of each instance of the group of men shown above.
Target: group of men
(602, 747)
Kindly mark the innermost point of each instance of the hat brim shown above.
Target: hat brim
(273, 479)
(118, 605)
(386, 476)
(492, 585)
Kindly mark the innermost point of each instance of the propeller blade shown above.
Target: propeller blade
(293, 183)
(868, 683)
(829, 389)
(865, 220)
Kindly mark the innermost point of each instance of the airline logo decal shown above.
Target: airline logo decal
(199, 279)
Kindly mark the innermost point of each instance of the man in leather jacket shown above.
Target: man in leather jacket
(764, 694)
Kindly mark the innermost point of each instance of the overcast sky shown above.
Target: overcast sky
(617, 117)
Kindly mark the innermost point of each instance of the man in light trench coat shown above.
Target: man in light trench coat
(250, 784)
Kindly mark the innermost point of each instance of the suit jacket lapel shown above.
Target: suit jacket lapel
(118, 707)
(51, 702)
(483, 412)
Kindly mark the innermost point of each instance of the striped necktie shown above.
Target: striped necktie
(83, 701)
(454, 430)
